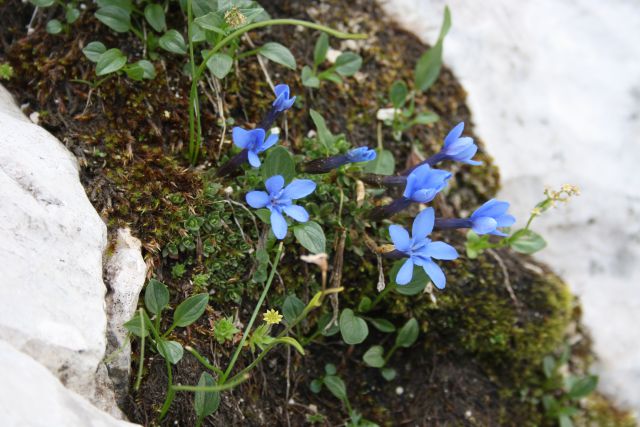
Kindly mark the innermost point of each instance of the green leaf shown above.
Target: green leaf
(93, 51)
(425, 119)
(149, 71)
(264, 214)
(279, 161)
(278, 54)
(292, 308)
(316, 386)
(330, 369)
(364, 305)
(332, 77)
(383, 164)
(170, 350)
(110, 62)
(408, 334)
(154, 14)
(383, 325)
(354, 330)
(348, 63)
(190, 309)
(583, 387)
(388, 374)
(206, 402)
(415, 286)
(42, 3)
(320, 49)
(71, 14)
(115, 17)
(309, 79)
(54, 26)
(311, 236)
(336, 386)
(325, 136)
(134, 326)
(374, 357)
(134, 72)
(219, 64)
(290, 341)
(323, 321)
(172, 41)
(564, 421)
(428, 66)
(211, 21)
(548, 366)
(398, 93)
(156, 296)
(526, 242)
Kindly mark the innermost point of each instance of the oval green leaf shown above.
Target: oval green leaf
(115, 17)
(279, 161)
(54, 26)
(278, 54)
(336, 386)
(219, 64)
(172, 41)
(190, 310)
(93, 51)
(170, 350)
(353, 329)
(348, 63)
(374, 357)
(311, 237)
(206, 402)
(154, 14)
(156, 296)
(110, 62)
(408, 334)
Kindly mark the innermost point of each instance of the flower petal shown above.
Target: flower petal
(484, 225)
(281, 89)
(405, 273)
(254, 160)
(270, 142)
(435, 273)
(454, 134)
(441, 250)
(278, 225)
(399, 237)
(423, 224)
(492, 208)
(424, 196)
(459, 146)
(257, 199)
(505, 220)
(296, 212)
(241, 137)
(274, 184)
(299, 188)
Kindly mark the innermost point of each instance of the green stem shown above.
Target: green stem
(248, 53)
(204, 361)
(194, 144)
(171, 392)
(390, 353)
(136, 387)
(256, 310)
(211, 388)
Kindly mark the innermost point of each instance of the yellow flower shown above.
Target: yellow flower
(272, 317)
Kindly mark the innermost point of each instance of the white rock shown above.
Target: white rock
(553, 86)
(384, 114)
(31, 396)
(125, 275)
(51, 243)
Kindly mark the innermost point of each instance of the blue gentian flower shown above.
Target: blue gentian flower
(279, 200)
(253, 141)
(361, 154)
(459, 148)
(424, 183)
(283, 102)
(420, 249)
(490, 216)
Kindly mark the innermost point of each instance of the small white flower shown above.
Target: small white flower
(386, 113)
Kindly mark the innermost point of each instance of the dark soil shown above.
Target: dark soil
(478, 350)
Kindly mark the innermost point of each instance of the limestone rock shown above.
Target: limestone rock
(31, 396)
(125, 276)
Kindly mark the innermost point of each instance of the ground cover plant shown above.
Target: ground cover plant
(304, 197)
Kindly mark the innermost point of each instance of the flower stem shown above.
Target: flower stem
(256, 310)
(136, 387)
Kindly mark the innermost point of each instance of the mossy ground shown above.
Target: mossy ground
(479, 350)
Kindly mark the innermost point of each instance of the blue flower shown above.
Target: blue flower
(283, 102)
(460, 149)
(424, 183)
(279, 200)
(361, 154)
(419, 249)
(488, 217)
(253, 141)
